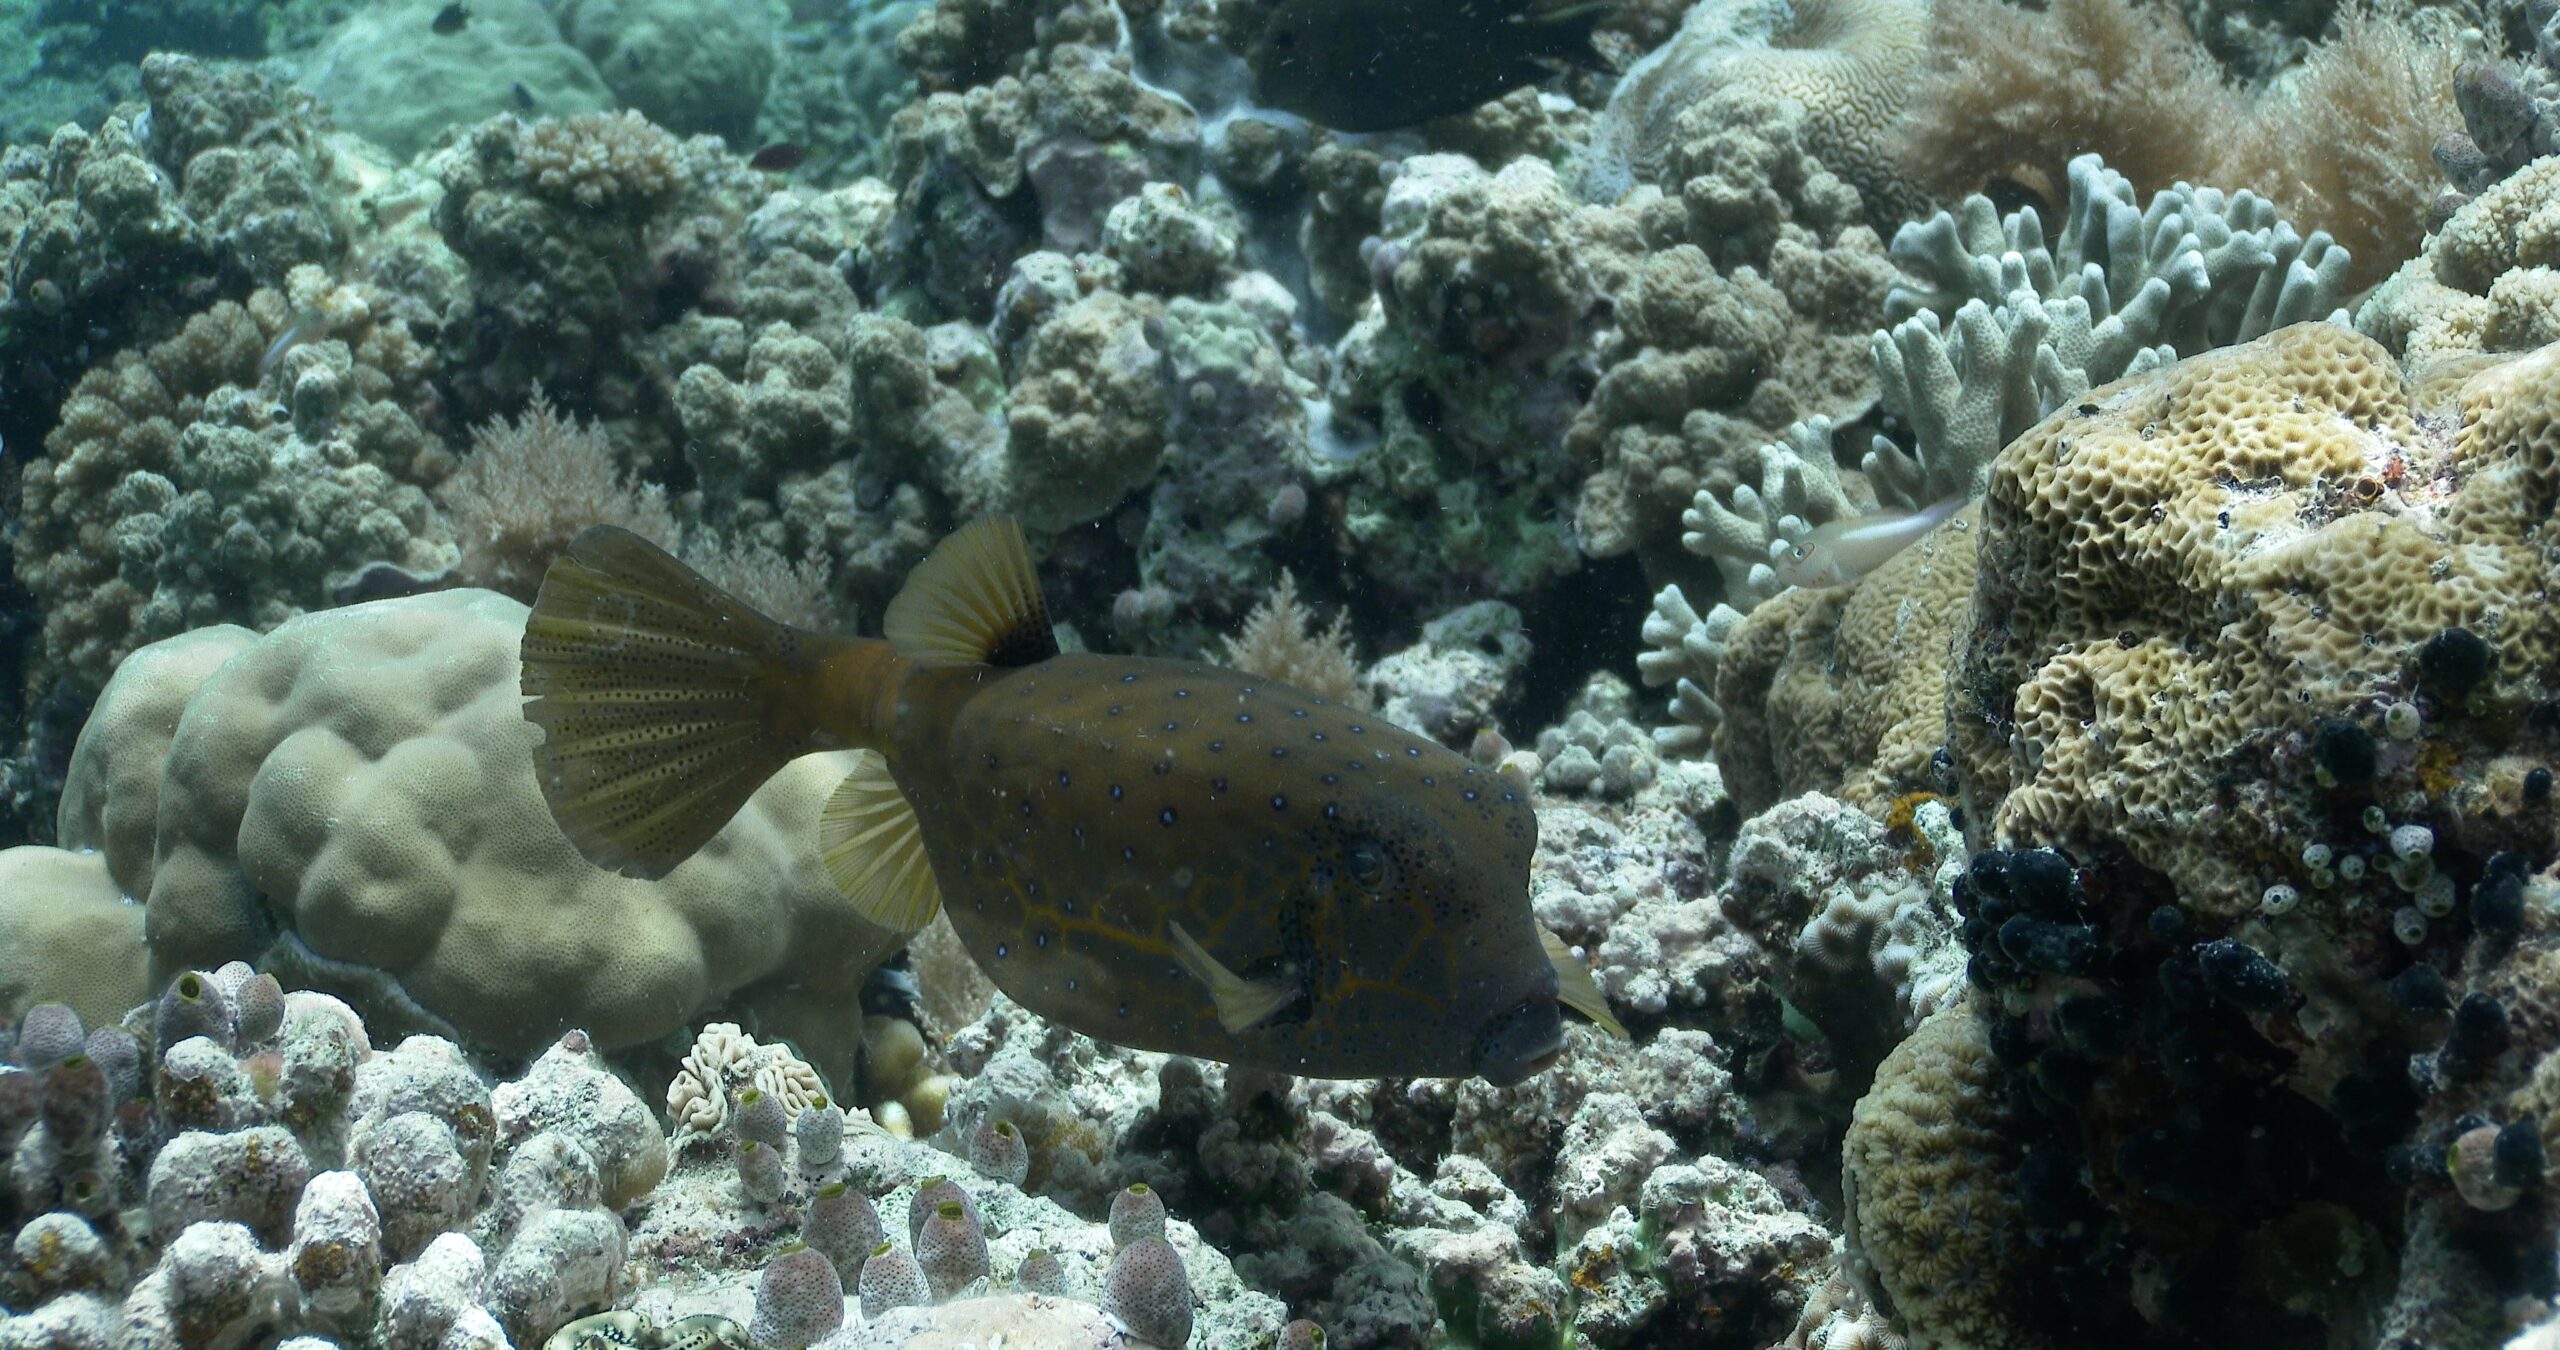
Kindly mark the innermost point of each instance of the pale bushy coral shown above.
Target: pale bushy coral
(1279, 640)
(529, 486)
(2340, 143)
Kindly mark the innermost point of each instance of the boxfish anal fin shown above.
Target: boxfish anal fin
(873, 848)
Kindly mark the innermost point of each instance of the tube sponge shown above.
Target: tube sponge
(1149, 1292)
(798, 1300)
(820, 1134)
(952, 1249)
(892, 1279)
(1136, 1213)
(760, 1118)
(48, 1034)
(760, 1171)
(842, 1225)
(997, 1150)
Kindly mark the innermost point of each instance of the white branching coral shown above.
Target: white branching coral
(726, 1061)
(1746, 536)
(1684, 650)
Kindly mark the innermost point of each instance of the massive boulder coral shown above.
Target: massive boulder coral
(2282, 524)
(352, 800)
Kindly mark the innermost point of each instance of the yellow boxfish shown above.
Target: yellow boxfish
(1168, 855)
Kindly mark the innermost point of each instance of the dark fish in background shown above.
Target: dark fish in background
(779, 157)
(1376, 65)
(524, 96)
(1169, 855)
(451, 18)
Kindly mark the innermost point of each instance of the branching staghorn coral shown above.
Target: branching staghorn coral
(2005, 326)
(1800, 488)
(2037, 322)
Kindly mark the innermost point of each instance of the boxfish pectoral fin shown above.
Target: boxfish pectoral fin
(1242, 1004)
(873, 847)
(1576, 989)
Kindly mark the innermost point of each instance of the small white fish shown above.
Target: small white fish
(1842, 551)
(302, 328)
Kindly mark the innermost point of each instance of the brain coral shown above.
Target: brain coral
(2250, 698)
(350, 800)
(2184, 574)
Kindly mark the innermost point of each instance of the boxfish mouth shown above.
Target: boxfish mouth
(1520, 1042)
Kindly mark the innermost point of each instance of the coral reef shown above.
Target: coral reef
(2488, 281)
(383, 80)
(111, 235)
(2244, 937)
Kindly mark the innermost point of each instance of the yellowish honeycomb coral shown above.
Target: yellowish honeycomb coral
(2185, 571)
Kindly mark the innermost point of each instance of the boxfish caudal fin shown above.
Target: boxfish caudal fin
(1574, 986)
(656, 692)
(665, 702)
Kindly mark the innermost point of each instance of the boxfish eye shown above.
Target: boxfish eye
(1368, 864)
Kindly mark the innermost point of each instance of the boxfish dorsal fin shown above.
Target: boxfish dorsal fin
(1575, 988)
(975, 600)
(874, 849)
(1242, 1004)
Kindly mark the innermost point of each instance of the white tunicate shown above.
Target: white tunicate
(2400, 721)
(2435, 896)
(2411, 873)
(2317, 856)
(2409, 926)
(2351, 867)
(2412, 841)
(2279, 900)
(2376, 820)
